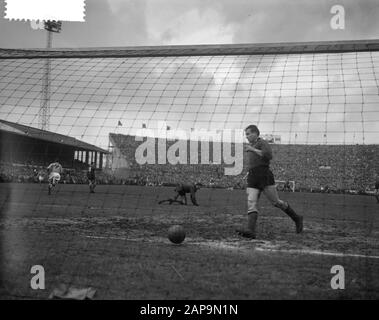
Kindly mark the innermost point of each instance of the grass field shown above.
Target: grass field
(116, 242)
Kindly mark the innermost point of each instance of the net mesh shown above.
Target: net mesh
(320, 107)
(304, 98)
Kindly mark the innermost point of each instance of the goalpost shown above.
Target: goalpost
(281, 183)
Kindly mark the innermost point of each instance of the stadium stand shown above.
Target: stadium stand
(302, 92)
(26, 151)
(341, 168)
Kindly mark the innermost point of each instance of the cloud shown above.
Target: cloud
(162, 22)
(259, 21)
(108, 23)
(190, 26)
(296, 21)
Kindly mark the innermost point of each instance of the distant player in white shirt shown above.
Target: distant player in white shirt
(54, 169)
(41, 176)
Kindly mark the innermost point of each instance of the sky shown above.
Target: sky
(314, 98)
(116, 23)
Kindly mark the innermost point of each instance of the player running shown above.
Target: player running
(92, 177)
(261, 179)
(181, 190)
(41, 176)
(54, 169)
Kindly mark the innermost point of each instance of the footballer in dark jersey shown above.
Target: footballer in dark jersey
(181, 190)
(261, 179)
(91, 175)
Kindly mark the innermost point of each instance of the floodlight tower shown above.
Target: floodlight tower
(44, 113)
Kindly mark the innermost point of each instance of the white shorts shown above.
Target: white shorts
(54, 177)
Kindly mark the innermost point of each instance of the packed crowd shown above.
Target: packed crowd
(349, 167)
(18, 173)
(26, 173)
(318, 168)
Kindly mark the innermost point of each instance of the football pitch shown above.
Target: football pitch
(115, 241)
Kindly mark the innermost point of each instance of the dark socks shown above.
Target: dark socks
(250, 233)
(295, 217)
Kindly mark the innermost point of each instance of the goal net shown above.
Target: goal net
(151, 118)
(287, 185)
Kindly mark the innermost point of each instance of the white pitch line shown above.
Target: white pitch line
(316, 252)
(69, 206)
(224, 246)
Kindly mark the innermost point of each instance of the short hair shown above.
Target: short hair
(253, 128)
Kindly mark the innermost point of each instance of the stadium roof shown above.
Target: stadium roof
(46, 136)
(196, 50)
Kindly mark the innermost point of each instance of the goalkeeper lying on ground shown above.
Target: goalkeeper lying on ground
(181, 190)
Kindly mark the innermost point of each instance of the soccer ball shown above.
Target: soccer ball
(176, 234)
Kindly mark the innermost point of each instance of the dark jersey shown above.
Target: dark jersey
(91, 173)
(255, 160)
(184, 188)
(377, 185)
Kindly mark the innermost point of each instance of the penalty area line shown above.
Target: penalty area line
(243, 249)
(316, 252)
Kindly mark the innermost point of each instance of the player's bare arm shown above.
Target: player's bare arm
(252, 149)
